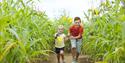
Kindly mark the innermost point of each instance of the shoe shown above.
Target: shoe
(58, 62)
(74, 61)
(63, 62)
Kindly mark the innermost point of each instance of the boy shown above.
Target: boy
(75, 33)
(59, 43)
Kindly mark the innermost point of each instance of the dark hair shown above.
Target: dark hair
(77, 18)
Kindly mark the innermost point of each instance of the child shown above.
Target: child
(75, 32)
(59, 43)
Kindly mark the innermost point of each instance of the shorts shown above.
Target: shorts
(76, 43)
(58, 50)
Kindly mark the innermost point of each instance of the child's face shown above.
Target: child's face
(77, 22)
(60, 30)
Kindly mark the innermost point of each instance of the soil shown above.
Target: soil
(68, 58)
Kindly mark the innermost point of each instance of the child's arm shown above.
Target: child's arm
(66, 38)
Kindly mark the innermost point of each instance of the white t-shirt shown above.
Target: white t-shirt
(59, 41)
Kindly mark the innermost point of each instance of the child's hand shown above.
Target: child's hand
(66, 38)
(71, 37)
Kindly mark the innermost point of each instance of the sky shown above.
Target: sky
(55, 8)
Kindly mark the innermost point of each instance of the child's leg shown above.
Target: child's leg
(57, 50)
(78, 47)
(73, 48)
(58, 58)
(62, 54)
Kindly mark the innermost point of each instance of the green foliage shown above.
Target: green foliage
(25, 33)
(104, 37)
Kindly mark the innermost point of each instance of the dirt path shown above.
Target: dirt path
(68, 59)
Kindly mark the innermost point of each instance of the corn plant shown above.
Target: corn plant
(104, 37)
(23, 32)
